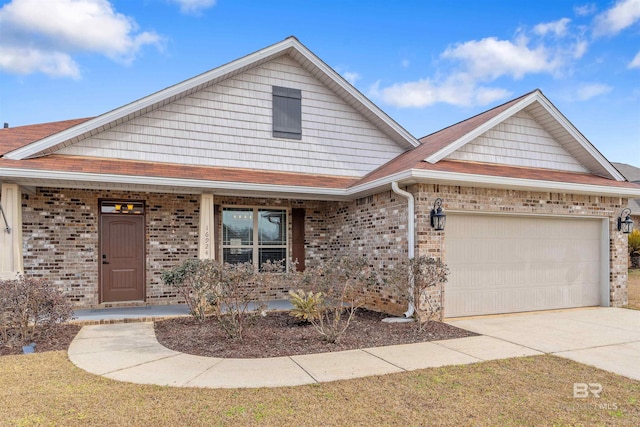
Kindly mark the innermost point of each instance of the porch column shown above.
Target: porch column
(11, 240)
(207, 228)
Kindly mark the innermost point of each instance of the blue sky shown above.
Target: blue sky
(428, 64)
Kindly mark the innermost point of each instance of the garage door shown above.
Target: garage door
(505, 264)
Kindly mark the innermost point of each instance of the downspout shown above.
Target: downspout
(411, 233)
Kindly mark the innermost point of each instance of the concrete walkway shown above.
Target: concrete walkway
(605, 337)
(130, 352)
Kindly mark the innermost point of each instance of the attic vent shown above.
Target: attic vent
(364, 201)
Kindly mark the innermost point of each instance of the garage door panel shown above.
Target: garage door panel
(501, 264)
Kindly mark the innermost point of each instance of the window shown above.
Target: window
(250, 234)
(121, 207)
(287, 113)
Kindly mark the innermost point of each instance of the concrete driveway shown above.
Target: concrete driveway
(607, 338)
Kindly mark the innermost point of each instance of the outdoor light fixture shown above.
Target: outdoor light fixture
(625, 225)
(438, 217)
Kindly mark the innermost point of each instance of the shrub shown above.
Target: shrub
(413, 279)
(195, 280)
(634, 248)
(306, 305)
(231, 298)
(27, 304)
(222, 290)
(343, 283)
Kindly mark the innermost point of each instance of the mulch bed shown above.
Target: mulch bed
(278, 334)
(52, 339)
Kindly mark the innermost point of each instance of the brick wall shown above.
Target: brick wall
(376, 227)
(60, 232)
(60, 229)
(471, 199)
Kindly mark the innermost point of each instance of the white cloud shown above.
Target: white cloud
(351, 77)
(580, 49)
(25, 61)
(557, 28)
(491, 58)
(624, 14)
(194, 6)
(635, 62)
(456, 90)
(592, 90)
(49, 32)
(585, 10)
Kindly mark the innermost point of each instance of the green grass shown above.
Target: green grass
(46, 389)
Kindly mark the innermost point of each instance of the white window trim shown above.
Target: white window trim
(256, 246)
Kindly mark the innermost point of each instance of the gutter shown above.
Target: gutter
(411, 233)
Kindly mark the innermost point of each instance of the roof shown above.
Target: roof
(30, 156)
(290, 46)
(632, 173)
(14, 138)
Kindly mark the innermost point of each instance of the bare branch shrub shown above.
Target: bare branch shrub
(195, 280)
(425, 273)
(343, 283)
(27, 304)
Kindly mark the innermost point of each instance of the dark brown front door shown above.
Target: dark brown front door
(122, 258)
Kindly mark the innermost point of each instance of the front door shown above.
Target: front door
(122, 265)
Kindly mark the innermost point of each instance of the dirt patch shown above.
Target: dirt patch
(51, 339)
(278, 334)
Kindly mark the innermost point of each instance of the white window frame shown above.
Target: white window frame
(256, 245)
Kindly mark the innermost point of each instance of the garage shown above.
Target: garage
(509, 263)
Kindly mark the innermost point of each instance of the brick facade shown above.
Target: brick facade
(60, 229)
(60, 234)
(487, 200)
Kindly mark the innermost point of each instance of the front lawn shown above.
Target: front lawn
(46, 389)
(634, 289)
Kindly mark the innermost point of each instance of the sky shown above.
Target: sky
(428, 64)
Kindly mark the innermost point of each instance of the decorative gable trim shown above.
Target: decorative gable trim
(290, 46)
(577, 145)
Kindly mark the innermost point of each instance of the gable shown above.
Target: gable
(519, 141)
(229, 124)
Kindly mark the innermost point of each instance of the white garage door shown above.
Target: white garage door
(505, 264)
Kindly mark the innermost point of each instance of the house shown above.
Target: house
(275, 155)
(632, 174)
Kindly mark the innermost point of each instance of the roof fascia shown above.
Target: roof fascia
(272, 51)
(575, 134)
(521, 183)
(356, 94)
(536, 96)
(148, 101)
(15, 173)
(488, 125)
(404, 177)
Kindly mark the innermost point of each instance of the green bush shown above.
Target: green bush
(306, 305)
(27, 304)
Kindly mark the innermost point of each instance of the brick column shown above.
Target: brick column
(11, 240)
(206, 248)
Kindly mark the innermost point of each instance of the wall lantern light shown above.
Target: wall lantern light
(625, 225)
(438, 217)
